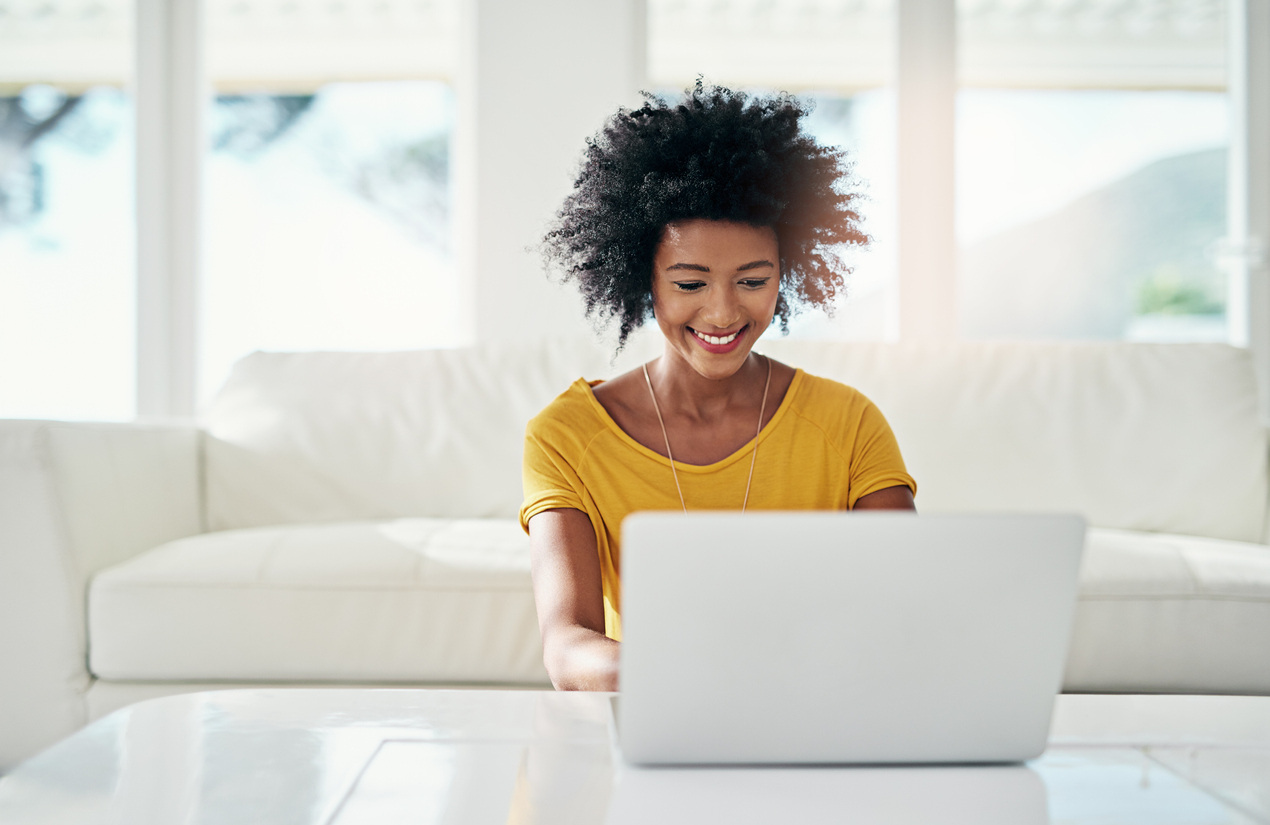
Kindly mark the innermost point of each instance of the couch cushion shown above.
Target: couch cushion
(427, 600)
(418, 600)
(1161, 613)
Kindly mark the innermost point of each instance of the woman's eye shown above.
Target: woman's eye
(754, 283)
(689, 286)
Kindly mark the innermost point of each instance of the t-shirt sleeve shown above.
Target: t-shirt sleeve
(876, 463)
(549, 478)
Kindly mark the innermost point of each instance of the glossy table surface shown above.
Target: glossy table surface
(477, 756)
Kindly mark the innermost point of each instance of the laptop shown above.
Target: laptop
(867, 637)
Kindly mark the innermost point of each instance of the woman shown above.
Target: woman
(716, 216)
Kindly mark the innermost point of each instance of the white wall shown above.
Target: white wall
(536, 79)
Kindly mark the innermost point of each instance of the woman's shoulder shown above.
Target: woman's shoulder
(573, 410)
(843, 415)
(835, 407)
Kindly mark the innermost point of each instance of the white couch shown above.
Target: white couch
(343, 518)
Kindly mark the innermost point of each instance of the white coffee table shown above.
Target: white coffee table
(423, 756)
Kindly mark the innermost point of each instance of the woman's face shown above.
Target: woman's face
(715, 286)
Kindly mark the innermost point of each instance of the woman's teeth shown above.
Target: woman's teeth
(716, 340)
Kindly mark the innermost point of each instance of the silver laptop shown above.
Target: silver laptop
(813, 637)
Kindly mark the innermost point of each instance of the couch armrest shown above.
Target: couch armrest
(75, 498)
(1265, 531)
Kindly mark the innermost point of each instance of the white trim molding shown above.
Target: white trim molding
(927, 93)
(171, 94)
(1247, 245)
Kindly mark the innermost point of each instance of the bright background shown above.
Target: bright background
(1090, 168)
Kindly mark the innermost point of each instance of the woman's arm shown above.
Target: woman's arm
(565, 563)
(891, 498)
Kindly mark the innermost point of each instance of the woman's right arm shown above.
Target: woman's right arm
(569, 595)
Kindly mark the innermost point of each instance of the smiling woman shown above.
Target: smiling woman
(717, 216)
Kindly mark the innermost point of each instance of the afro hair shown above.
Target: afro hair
(716, 154)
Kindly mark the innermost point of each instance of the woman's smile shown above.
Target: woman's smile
(720, 342)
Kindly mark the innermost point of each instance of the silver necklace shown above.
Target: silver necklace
(753, 455)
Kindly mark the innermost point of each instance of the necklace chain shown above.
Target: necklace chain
(753, 455)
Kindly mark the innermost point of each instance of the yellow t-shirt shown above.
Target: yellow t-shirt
(826, 446)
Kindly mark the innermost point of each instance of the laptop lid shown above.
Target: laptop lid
(817, 637)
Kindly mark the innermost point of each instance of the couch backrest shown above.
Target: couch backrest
(1136, 436)
(325, 436)
(1160, 437)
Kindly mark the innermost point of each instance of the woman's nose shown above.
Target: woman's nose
(721, 308)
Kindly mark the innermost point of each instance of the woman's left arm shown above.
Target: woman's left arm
(890, 498)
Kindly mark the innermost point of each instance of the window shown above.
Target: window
(328, 220)
(1091, 170)
(67, 290)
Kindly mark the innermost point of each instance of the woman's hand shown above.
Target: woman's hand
(891, 498)
(568, 592)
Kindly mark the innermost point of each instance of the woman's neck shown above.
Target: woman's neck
(683, 391)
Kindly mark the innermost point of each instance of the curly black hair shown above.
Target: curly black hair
(716, 154)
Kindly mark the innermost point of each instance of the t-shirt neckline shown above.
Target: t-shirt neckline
(741, 452)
